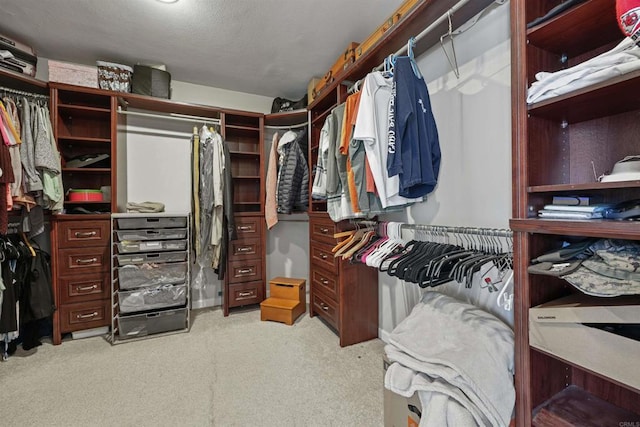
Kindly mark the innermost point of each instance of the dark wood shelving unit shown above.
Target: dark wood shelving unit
(556, 145)
(85, 139)
(19, 81)
(87, 170)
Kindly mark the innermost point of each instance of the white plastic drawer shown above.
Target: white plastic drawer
(152, 298)
(130, 246)
(152, 234)
(151, 274)
(152, 222)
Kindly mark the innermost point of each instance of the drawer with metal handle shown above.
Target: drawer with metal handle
(75, 234)
(322, 231)
(326, 309)
(245, 293)
(245, 270)
(326, 281)
(249, 227)
(86, 315)
(83, 260)
(87, 287)
(245, 248)
(322, 256)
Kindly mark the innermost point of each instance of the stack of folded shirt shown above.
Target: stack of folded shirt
(145, 207)
(573, 212)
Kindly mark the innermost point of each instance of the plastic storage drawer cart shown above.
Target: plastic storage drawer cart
(150, 289)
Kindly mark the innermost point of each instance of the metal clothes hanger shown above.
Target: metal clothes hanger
(453, 60)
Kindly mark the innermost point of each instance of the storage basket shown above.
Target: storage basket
(112, 76)
(151, 246)
(152, 222)
(160, 234)
(151, 257)
(150, 274)
(73, 74)
(140, 325)
(152, 298)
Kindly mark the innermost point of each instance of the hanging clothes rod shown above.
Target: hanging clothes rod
(429, 29)
(23, 93)
(172, 116)
(469, 231)
(301, 125)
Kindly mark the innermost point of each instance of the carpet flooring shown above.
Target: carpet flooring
(233, 371)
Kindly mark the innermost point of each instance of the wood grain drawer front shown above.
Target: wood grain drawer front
(86, 315)
(245, 248)
(323, 231)
(75, 234)
(325, 281)
(245, 294)
(249, 227)
(326, 309)
(322, 256)
(83, 260)
(245, 270)
(87, 287)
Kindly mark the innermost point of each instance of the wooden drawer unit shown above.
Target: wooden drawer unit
(326, 308)
(86, 287)
(86, 315)
(245, 276)
(343, 294)
(249, 227)
(83, 260)
(245, 248)
(83, 233)
(327, 282)
(245, 293)
(322, 256)
(245, 270)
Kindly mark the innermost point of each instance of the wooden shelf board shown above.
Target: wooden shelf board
(85, 110)
(578, 30)
(102, 202)
(592, 228)
(84, 139)
(574, 406)
(244, 153)
(410, 25)
(615, 96)
(246, 177)
(87, 170)
(161, 105)
(286, 118)
(23, 82)
(583, 187)
(249, 128)
(246, 203)
(75, 217)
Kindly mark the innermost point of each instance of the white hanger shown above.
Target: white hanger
(505, 298)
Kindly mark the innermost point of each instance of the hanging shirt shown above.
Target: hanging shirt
(271, 203)
(319, 188)
(33, 181)
(372, 128)
(414, 148)
(350, 112)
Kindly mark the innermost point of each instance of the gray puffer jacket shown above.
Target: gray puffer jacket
(293, 181)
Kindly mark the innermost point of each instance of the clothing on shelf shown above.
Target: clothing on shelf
(622, 59)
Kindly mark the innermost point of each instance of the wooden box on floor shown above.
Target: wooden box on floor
(287, 301)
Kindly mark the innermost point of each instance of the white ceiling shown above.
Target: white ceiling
(265, 47)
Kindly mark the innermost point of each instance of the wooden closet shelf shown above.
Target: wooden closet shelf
(100, 202)
(84, 110)
(592, 228)
(286, 118)
(87, 170)
(590, 186)
(250, 128)
(574, 406)
(22, 82)
(244, 153)
(246, 177)
(85, 139)
(578, 30)
(615, 96)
